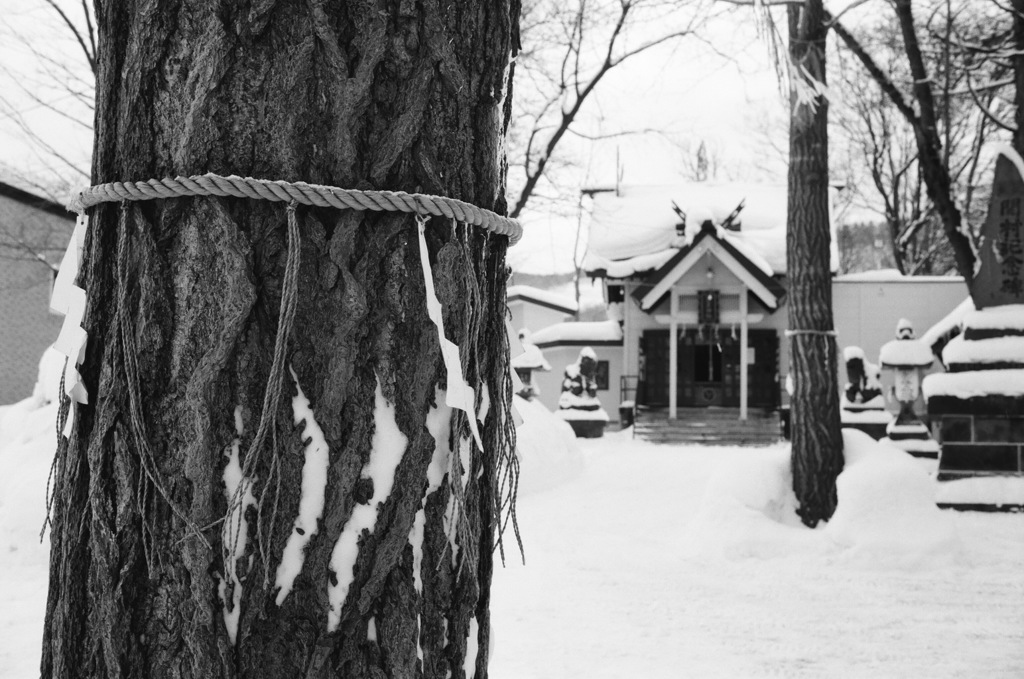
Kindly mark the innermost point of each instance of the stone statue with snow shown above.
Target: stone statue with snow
(863, 389)
(908, 358)
(578, 404)
(863, 405)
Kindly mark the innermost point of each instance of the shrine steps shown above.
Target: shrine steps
(707, 426)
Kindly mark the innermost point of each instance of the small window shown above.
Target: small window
(601, 376)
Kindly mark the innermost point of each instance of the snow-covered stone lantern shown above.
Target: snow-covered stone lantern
(908, 358)
(578, 404)
(532, 359)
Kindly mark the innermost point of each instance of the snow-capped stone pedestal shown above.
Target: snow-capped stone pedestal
(977, 411)
(908, 358)
(863, 406)
(977, 408)
(578, 404)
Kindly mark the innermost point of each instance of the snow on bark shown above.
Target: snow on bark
(472, 647)
(235, 533)
(311, 501)
(387, 448)
(439, 425)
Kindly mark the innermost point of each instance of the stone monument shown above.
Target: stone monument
(977, 407)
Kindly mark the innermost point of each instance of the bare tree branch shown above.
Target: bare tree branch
(90, 54)
(577, 83)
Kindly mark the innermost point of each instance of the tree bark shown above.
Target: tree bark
(1017, 8)
(391, 95)
(817, 453)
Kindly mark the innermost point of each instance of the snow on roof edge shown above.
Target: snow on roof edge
(530, 293)
(582, 332)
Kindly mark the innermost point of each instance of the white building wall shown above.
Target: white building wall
(526, 314)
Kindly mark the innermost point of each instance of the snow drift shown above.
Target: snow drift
(886, 516)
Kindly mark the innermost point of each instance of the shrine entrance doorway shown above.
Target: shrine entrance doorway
(708, 368)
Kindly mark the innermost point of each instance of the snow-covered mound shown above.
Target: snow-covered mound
(749, 511)
(27, 443)
(51, 367)
(28, 440)
(547, 449)
(886, 516)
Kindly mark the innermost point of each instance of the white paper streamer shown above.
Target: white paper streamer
(69, 300)
(68, 271)
(458, 392)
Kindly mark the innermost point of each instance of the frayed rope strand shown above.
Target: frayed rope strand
(505, 461)
(63, 408)
(129, 356)
(271, 397)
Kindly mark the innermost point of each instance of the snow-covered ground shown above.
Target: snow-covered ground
(27, 442)
(661, 561)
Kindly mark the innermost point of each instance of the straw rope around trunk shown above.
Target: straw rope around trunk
(423, 206)
(298, 192)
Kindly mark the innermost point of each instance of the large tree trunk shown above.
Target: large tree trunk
(390, 95)
(817, 455)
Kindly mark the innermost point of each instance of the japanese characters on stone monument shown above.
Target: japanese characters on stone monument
(999, 279)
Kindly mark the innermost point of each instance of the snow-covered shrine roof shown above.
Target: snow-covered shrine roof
(542, 297)
(598, 333)
(633, 230)
(737, 256)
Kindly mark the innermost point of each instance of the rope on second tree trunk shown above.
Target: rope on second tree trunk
(826, 333)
